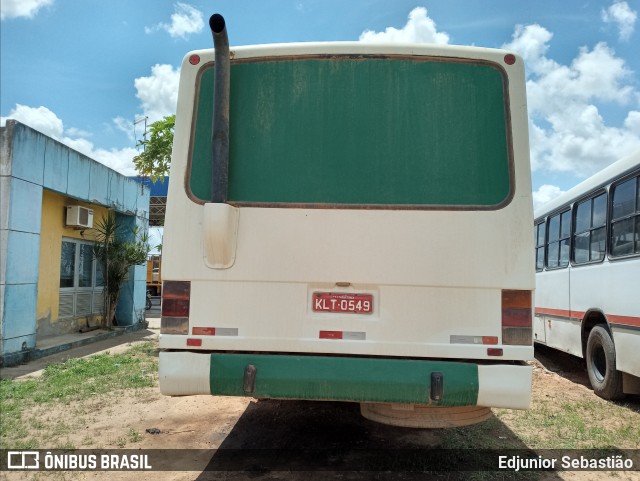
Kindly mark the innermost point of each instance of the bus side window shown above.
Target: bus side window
(589, 230)
(565, 236)
(540, 241)
(598, 228)
(559, 237)
(625, 219)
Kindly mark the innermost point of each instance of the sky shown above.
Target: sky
(90, 73)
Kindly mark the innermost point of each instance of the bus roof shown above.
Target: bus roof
(620, 167)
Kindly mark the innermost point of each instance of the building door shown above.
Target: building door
(81, 284)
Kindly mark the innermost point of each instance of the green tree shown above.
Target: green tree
(154, 161)
(116, 255)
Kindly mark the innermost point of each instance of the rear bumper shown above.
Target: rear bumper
(354, 379)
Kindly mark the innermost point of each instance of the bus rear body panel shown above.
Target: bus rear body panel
(366, 245)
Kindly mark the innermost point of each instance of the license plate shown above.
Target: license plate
(342, 302)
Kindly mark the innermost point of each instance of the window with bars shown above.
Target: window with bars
(81, 283)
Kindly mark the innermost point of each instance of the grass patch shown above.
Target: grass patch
(134, 436)
(73, 380)
(549, 424)
(582, 424)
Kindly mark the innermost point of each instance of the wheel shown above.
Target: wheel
(418, 416)
(605, 379)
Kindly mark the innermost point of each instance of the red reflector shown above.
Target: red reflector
(204, 331)
(194, 59)
(194, 342)
(509, 59)
(494, 351)
(489, 339)
(330, 334)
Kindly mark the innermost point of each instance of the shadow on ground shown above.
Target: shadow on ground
(305, 440)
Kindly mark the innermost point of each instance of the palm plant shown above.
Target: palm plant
(117, 252)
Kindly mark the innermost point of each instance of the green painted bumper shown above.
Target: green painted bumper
(344, 378)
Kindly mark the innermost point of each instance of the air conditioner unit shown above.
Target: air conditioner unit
(79, 217)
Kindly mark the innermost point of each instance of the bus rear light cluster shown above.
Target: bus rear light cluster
(176, 296)
(517, 318)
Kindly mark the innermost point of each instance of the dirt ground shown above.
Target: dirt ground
(206, 423)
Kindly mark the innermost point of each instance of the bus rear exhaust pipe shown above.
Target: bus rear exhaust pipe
(220, 123)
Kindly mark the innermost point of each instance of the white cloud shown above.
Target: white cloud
(567, 130)
(39, 118)
(623, 16)
(120, 160)
(632, 122)
(418, 29)
(22, 8)
(531, 41)
(185, 21)
(47, 122)
(126, 126)
(158, 93)
(76, 132)
(544, 194)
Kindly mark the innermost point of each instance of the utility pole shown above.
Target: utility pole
(135, 122)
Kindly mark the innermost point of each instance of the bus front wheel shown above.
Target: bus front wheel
(605, 379)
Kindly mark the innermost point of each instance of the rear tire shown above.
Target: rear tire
(605, 379)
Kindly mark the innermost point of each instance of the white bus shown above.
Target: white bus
(587, 300)
(368, 238)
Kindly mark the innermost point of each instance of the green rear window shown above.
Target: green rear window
(369, 131)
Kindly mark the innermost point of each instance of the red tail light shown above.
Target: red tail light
(517, 318)
(176, 296)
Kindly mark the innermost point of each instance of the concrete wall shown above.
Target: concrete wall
(30, 164)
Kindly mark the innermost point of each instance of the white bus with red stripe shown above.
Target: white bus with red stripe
(587, 300)
(373, 241)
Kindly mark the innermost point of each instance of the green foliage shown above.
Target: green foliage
(116, 255)
(155, 159)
